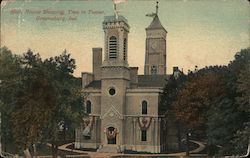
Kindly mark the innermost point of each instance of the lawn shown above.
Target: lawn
(42, 150)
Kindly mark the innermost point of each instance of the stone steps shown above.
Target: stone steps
(109, 149)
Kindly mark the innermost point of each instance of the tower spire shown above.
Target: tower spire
(157, 8)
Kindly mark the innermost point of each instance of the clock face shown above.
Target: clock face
(154, 45)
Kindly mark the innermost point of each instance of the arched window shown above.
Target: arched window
(153, 70)
(124, 49)
(88, 107)
(112, 47)
(143, 135)
(144, 107)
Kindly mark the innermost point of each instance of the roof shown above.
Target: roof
(144, 81)
(94, 84)
(156, 24)
(113, 18)
(152, 80)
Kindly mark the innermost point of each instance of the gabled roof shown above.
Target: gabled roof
(155, 24)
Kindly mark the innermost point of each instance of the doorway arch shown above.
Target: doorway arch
(111, 135)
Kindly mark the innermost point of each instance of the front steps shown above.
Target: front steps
(109, 149)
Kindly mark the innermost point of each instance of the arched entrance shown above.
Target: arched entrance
(111, 135)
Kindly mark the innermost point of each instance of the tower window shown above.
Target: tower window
(144, 107)
(143, 135)
(124, 49)
(112, 47)
(153, 70)
(88, 107)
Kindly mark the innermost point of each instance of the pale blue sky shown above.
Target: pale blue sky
(200, 32)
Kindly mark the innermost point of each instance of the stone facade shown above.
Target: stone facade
(124, 107)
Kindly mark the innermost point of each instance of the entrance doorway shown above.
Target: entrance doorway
(111, 135)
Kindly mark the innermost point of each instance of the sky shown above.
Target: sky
(200, 32)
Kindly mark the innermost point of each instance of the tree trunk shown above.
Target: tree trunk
(187, 145)
(64, 133)
(54, 148)
(27, 153)
(35, 151)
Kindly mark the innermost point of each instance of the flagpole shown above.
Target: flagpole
(115, 7)
(157, 7)
(115, 12)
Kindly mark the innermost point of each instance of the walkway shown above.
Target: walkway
(108, 155)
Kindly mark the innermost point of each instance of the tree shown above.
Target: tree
(217, 99)
(34, 101)
(196, 97)
(189, 97)
(228, 118)
(242, 137)
(243, 87)
(43, 96)
(171, 90)
(200, 104)
(9, 70)
(69, 100)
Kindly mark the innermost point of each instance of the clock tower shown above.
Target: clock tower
(155, 55)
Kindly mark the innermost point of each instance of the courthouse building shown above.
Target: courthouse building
(124, 111)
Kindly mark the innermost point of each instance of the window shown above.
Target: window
(124, 49)
(88, 107)
(111, 135)
(153, 70)
(112, 91)
(143, 135)
(87, 137)
(144, 107)
(112, 47)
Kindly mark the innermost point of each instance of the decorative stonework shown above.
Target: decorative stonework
(113, 113)
(144, 122)
(116, 24)
(111, 134)
(87, 125)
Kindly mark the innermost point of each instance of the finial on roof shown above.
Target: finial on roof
(157, 7)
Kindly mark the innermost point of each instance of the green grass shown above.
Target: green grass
(42, 149)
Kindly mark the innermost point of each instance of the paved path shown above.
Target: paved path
(200, 148)
(93, 154)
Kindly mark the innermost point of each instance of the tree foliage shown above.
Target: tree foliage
(216, 98)
(198, 95)
(9, 69)
(34, 100)
(41, 99)
(170, 91)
